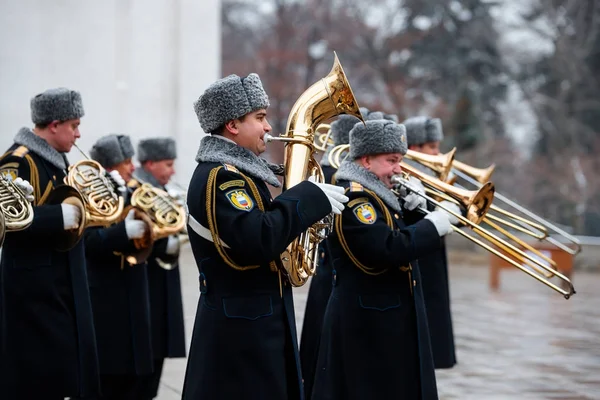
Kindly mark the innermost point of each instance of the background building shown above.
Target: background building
(139, 65)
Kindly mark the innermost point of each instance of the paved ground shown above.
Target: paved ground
(524, 342)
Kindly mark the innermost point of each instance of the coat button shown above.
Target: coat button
(414, 282)
(396, 216)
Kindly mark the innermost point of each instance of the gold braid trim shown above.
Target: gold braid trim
(34, 179)
(211, 216)
(340, 233)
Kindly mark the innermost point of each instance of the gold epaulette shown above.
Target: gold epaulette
(356, 187)
(20, 151)
(231, 168)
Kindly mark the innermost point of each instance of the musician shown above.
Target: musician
(424, 135)
(320, 285)
(244, 344)
(49, 349)
(157, 158)
(375, 341)
(119, 291)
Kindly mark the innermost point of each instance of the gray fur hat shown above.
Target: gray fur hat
(112, 149)
(230, 98)
(377, 137)
(420, 130)
(60, 104)
(340, 128)
(156, 149)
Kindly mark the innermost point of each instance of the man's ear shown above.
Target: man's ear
(53, 125)
(232, 126)
(365, 161)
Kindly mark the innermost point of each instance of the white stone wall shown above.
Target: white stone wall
(139, 65)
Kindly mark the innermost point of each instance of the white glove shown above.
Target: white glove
(122, 185)
(134, 228)
(452, 207)
(71, 216)
(173, 245)
(412, 200)
(441, 222)
(25, 187)
(335, 195)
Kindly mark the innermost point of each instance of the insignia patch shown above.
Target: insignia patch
(240, 199)
(11, 173)
(227, 185)
(365, 213)
(357, 201)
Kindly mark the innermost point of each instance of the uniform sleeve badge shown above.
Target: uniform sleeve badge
(365, 213)
(239, 199)
(9, 173)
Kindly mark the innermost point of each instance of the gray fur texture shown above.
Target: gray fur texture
(26, 137)
(60, 104)
(156, 149)
(112, 149)
(218, 149)
(420, 130)
(351, 171)
(230, 98)
(377, 137)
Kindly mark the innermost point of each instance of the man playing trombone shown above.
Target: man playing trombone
(424, 135)
(375, 340)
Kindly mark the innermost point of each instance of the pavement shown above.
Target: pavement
(524, 341)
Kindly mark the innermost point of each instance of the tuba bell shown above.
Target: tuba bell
(325, 99)
(16, 212)
(161, 213)
(88, 188)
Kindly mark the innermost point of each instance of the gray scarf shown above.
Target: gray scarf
(213, 149)
(351, 171)
(26, 137)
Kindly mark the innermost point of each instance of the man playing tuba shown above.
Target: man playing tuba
(244, 343)
(48, 344)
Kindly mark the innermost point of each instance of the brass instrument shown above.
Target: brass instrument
(477, 204)
(161, 213)
(88, 187)
(475, 176)
(325, 99)
(441, 164)
(323, 139)
(16, 212)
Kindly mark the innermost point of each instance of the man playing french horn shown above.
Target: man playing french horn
(48, 345)
(118, 289)
(375, 340)
(244, 343)
(157, 157)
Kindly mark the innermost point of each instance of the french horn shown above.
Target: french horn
(16, 212)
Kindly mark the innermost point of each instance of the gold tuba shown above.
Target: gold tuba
(325, 99)
(163, 215)
(16, 212)
(88, 188)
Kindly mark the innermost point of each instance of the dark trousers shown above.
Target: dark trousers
(120, 387)
(149, 383)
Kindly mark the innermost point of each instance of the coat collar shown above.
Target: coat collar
(26, 137)
(217, 149)
(351, 171)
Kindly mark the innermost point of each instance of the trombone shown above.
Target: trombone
(475, 176)
(477, 204)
